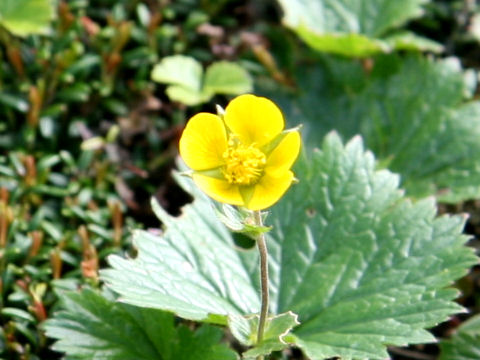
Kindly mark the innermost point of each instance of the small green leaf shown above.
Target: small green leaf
(464, 344)
(228, 78)
(17, 313)
(410, 41)
(14, 101)
(25, 17)
(277, 327)
(78, 92)
(93, 327)
(240, 220)
(350, 44)
(187, 96)
(179, 70)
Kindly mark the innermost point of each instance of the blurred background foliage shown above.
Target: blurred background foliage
(94, 95)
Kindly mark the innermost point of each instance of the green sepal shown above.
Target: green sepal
(246, 192)
(215, 173)
(277, 327)
(268, 148)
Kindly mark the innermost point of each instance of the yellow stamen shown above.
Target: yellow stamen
(243, 164)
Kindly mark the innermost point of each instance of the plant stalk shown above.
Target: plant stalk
(262, 249)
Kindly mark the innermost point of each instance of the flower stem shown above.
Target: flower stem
(262, 249)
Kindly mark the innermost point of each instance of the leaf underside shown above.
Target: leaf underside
(355, 28)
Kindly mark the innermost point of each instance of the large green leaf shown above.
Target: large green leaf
(464, 344)
(411, 113)
(92, 327)
(369, 267)
(354, 27)
(361, 266)
(24, 17)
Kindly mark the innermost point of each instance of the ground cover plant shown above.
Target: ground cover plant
(151, 207)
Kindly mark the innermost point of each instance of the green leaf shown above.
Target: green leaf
(360, 265)
(409, 41)
(179, 70)
(187, 96)
(464, 344)
(17, 313)
(351, 44)
(93, 327)
(368, 268)
(193, 270)
(25, 17)
(14, 101)
(411, 113)
(245, 330)
(187, 83)
(353, 27)
(224, 77)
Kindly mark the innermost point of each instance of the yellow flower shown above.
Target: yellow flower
(244, 157)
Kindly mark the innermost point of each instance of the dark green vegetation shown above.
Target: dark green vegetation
(87, 137)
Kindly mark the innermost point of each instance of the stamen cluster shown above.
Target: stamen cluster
(243, 164)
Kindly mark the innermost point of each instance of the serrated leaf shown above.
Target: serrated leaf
(93, 327)
(193, 270)
(361, 266)
(228, 78)
(179, 70)
(25, 17)
(351, 27)
(464, 344)
(370, 267)
(411, 113)
(277, 327)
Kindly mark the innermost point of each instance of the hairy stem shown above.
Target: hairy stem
(262, 249)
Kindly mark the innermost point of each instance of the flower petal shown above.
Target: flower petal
(269, 190)
(254, 119)
(220, 190)
(203, 142)
(284, 155)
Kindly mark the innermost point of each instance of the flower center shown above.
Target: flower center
(244, 164)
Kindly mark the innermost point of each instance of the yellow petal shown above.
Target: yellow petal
(284, 155)
(254, 119)
(219, 190)
(269, 190)
(203, 142)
